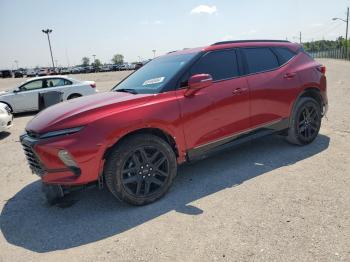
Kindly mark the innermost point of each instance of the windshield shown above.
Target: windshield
(152, 77)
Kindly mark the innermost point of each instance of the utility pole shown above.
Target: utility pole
(48, 32)
(154, 53)
(347, 28)
(300, 37)
(94, 58)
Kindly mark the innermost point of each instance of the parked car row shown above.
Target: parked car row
(19, 73)
(65, 70)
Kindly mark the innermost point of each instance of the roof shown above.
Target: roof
(251, 41)
(49, 76)
(238, 43)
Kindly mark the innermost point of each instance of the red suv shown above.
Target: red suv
(179, 107)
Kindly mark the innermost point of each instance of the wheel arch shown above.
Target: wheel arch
(147, 130)
(8, 104)
(74, 95)
(312, 92)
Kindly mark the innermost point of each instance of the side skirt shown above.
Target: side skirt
(214, 147)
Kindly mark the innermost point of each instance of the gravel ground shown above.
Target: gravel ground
(263, 201)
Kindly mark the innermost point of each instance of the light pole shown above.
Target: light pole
(347, 28)
(94, 58)
(48, 32)
(154, 53)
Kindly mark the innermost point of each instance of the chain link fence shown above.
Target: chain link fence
(338, 53)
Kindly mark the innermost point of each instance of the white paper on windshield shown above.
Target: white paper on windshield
(153, 81)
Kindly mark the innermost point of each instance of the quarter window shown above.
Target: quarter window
(260, 59)
(219, 64)
(285, 54)
(56, 82)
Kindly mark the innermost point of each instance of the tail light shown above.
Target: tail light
(322, 69)
(93, 85)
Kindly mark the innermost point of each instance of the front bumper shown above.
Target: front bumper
(43, 160)
(6, 121)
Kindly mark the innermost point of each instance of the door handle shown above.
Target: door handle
(239, 91)
(290, 75)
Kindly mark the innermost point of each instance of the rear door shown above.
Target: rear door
(219, 110)
(59, 84)
(272, 83)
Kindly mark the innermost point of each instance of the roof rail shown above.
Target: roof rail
(248, 41)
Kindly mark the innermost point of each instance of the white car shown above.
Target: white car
(6, 117)
(25, 97)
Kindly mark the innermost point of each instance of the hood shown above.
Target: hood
(83, 110)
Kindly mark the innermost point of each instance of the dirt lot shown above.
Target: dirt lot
(265, 201)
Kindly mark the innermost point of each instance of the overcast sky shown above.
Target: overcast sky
(135, 28)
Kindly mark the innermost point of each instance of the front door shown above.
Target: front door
(220, 110)
(27, 97)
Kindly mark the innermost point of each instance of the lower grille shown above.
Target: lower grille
(33, 160)
(8, 109)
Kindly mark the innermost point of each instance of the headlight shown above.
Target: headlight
(62, 132)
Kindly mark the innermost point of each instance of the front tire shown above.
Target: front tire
(305, 122)
(52, 193)
(140, 169)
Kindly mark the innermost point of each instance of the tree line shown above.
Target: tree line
(116, 59)
(325, 45)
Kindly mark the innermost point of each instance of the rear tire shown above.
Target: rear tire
(73, 96)
(140, 169)
(305, 122)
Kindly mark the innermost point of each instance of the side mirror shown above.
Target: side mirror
(197, 82)
(16, 90)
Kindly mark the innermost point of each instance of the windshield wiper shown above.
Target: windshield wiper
(126, 90)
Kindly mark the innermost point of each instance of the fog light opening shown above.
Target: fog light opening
(66, 158)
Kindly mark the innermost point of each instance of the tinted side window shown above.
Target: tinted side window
(285, 54)
(32, 85)
(219, 64)
(55, 82)
(260, 59)
(67, 82)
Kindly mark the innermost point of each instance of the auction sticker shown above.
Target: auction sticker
(153, 81)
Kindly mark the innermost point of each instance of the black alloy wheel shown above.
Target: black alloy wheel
(140, 169)
(305, 122)
(145, 171)
(309, 122)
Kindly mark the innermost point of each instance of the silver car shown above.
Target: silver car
(25, 97)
